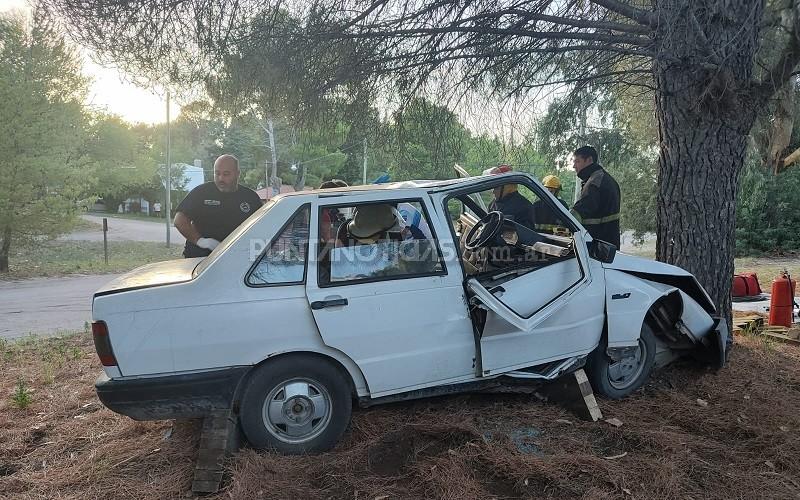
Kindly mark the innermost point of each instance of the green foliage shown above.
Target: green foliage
(42, 135)
(22, 396)
(768, 211)
(623, 139)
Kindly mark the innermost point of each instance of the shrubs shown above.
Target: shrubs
(768, 211)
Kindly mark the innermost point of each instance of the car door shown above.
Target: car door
(405, 329)
(548, 313)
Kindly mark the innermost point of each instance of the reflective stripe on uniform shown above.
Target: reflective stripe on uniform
(601, 220)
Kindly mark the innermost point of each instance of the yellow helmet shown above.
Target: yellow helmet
(551, 181)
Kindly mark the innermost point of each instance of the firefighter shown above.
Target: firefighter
(508, 200)
(598, 206)
(547, 220)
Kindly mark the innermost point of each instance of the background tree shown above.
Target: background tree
(42, 136)
(697, 57)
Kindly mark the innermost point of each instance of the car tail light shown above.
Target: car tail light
(102, 343)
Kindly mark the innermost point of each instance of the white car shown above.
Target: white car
(303, 311)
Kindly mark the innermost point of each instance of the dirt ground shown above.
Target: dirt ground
(690, 433)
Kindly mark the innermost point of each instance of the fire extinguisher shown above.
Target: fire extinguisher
(781, 302)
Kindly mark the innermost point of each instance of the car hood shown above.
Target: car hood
(630, 263)
(157, 274)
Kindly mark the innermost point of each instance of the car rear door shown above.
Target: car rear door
(404, 330)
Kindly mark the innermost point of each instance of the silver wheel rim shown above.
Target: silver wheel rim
(625, 372)
(297, 410)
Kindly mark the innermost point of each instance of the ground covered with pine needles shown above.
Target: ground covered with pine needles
(690, 433)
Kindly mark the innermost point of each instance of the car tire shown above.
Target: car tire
(615, 380)
(296, 405)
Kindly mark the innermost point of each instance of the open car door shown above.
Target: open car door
(542, 309)
(543, 315)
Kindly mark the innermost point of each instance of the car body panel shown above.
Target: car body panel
(156, 274)
(402, 333)
(628, 299)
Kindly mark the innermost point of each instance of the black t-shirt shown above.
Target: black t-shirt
(216, 214)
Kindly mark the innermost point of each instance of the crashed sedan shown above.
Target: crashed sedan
(379, 293)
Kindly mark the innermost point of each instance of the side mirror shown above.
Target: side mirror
(602, 251)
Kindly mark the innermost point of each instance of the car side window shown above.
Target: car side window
(376, 241)
(284, 261)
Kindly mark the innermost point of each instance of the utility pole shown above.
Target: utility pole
(169, 176)
(581, 134)
(365, 160)
(272, 179)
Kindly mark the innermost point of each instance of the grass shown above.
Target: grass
(768, 268)
(59, 258)
(131, 216)
(84, 225)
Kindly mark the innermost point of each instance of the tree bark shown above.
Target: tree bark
(704, 119)
(782, 125)
(5, 247)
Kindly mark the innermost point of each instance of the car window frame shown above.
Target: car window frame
(392, 201)
(277, 235)
(490, 184)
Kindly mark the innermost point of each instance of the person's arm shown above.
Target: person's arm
(187, 229)
(588, 204)
(184, 226)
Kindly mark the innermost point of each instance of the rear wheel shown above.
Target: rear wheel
(617, 379)
(296, 404)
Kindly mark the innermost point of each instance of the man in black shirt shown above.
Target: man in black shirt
(211, 211)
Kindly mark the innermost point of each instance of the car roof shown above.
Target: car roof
(389, 186)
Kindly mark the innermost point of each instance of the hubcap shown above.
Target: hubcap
(297, 410)
(624, 373)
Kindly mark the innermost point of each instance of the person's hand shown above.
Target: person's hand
(207, 243)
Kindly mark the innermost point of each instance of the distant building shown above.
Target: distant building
(194, 175)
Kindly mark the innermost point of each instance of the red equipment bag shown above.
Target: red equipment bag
(745, 285)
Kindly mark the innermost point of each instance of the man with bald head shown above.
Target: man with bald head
(211, 211)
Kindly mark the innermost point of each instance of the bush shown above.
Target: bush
(768, 211)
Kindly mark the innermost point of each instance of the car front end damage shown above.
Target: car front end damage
(672, 302)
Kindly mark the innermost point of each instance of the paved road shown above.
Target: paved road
(47, 305)
(127, 230)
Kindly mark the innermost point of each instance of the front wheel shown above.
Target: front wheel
(617, 379)
(296, 405)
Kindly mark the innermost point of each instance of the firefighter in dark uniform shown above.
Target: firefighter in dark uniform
(548, 220)
(508, 200)
(598, 206)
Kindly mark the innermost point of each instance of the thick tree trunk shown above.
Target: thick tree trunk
(703, 77)
(5, 247)
(699, 169)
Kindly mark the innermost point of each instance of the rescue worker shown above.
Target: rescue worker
(598, 206)
(548, 220)
(211, 211)
(508, 200)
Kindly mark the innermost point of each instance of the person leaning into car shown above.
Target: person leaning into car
(211, 211)
(597, 207)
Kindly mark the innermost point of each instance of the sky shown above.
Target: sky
(110, 90)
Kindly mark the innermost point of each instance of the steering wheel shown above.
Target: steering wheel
(485, 231)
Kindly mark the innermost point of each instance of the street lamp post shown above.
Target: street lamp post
(168, 208)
